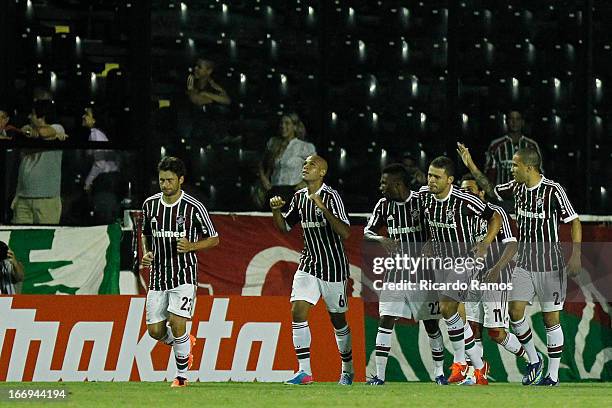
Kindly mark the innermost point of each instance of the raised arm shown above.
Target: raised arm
(276, 203)
(481, 179)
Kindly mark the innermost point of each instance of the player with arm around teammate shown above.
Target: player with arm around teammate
(400, 212)
(451, 216)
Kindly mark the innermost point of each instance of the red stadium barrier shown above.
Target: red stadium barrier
(253, 258)
(103, 338)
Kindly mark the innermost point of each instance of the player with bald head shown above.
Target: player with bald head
(323, 268)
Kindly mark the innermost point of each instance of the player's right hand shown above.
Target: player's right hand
(147, 259)
(276, 203)
(465, 155)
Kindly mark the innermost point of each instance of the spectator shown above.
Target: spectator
(7, 132)
(104, 178)
(11, 270)
(37, 199)
(498, 163)
(210, 102)
(417, 177)
(280, 172)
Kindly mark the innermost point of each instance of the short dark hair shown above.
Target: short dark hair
(443, 162)
(467, 177)
(530, 157)
(398, 169)
(173, 164)
(44, 108)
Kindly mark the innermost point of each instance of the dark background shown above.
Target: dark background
(370, 79)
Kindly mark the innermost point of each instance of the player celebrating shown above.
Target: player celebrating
(400, 212)
(489, 308)
(179, 225)
(539, 203)
(452, 216)
(323, 268)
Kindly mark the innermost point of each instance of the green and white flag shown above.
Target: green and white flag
(67, 260)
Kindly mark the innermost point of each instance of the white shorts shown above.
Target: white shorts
(310, 288)
(426, 310)
(403, 307)
(179, 301)
(489, 308)
(451, 277)
(550, 287)
(394, 303)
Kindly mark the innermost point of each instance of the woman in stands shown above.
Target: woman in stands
(280, 171)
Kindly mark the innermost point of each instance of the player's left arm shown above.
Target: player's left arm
(574, 265)
(184, 245)
(206, 230)
(340, 226)
(567, 215)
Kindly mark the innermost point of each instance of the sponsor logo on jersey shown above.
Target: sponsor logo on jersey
(531, 214)
(169, 234)
(311, 224)
(404, 230)
(442, 224)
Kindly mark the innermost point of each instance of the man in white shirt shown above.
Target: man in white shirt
(38, 199)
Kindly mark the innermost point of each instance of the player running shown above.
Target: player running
(178, 226)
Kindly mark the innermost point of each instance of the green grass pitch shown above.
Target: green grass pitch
(244, 395)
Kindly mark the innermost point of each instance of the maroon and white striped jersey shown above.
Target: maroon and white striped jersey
(454, 220)
(499, 155)
(403, 221)
(538, 211)
(323, 255)
(164, 224)
(496, 248)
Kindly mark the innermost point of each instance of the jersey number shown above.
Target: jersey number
(187, 302)
(556, 295)
(434, 308)
(498, 315)
(341, 301)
